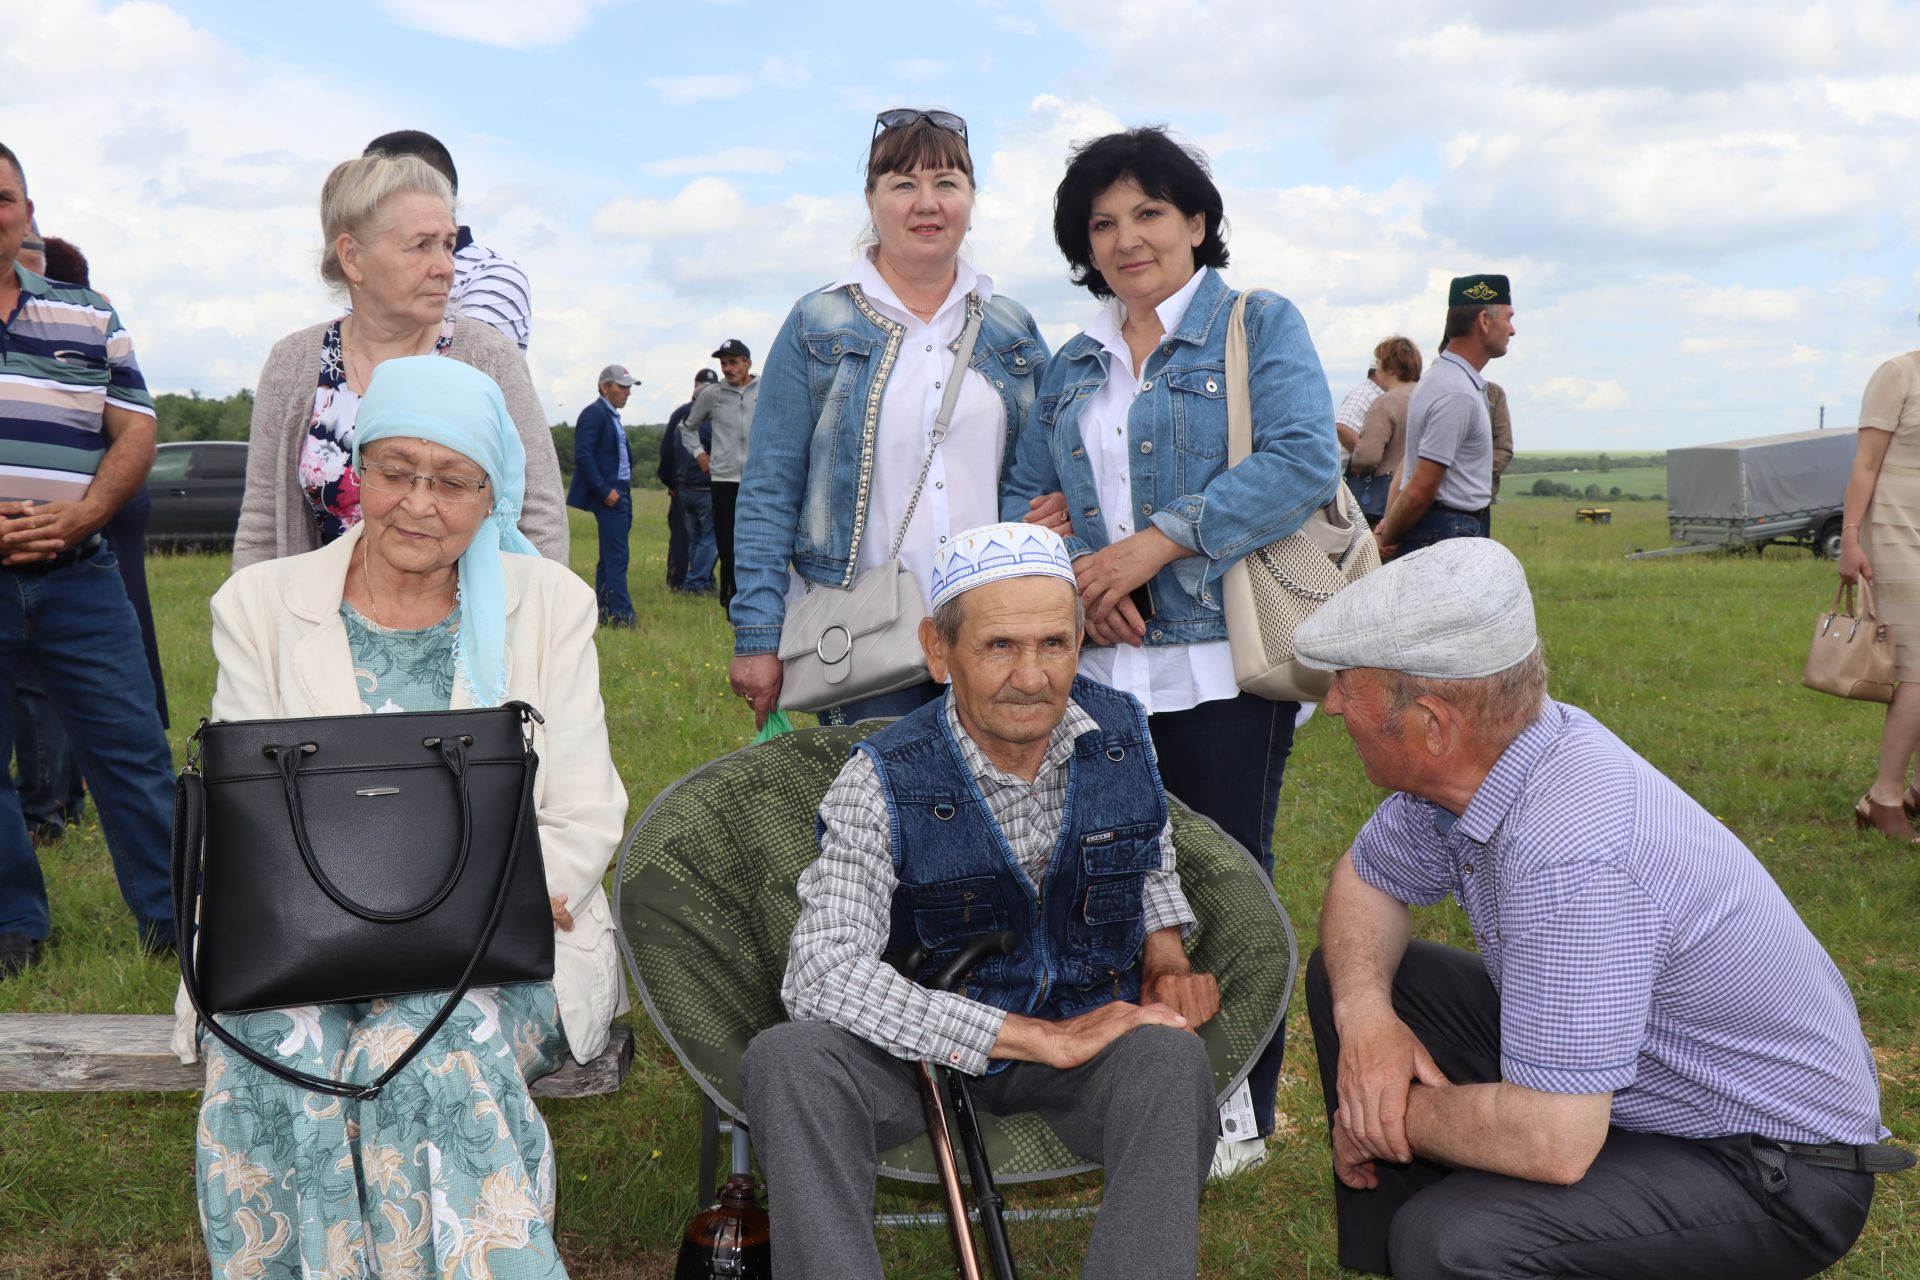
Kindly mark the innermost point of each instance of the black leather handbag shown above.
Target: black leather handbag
(347, 858)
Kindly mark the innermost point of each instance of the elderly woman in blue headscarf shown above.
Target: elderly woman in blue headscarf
(434, 601)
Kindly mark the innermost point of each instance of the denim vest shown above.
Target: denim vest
(1177, 447)
(803, 499)
(1082, 929)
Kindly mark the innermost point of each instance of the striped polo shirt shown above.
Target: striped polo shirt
(1638, 948)
(64, 356)
(488, 286)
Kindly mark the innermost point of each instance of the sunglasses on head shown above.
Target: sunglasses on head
(900, 116)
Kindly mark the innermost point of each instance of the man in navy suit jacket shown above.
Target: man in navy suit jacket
(603, 484)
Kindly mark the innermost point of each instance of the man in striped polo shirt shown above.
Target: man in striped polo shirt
(486, 285)
(1650, 1068)
(76, 439)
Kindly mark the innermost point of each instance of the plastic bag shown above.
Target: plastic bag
(777, 724)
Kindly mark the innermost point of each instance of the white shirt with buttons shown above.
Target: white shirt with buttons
(1165, 677)
(963, 485)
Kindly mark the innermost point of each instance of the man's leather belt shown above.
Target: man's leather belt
(72, 555)
(1878, 1157)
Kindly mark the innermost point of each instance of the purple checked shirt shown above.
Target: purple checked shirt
(1637, 946)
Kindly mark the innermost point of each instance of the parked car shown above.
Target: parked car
(196, 487)
(1748, 493)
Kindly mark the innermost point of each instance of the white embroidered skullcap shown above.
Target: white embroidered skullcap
(995, 552)
(1457, 610)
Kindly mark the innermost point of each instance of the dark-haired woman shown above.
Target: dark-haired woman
(842, 433)
(1131, 423)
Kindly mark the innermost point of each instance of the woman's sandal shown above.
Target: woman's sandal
(1910, 801)
(1888, 819)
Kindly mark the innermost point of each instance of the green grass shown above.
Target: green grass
(1694, 661)
(1640, 480)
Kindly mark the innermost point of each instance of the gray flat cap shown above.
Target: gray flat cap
(1457, 610)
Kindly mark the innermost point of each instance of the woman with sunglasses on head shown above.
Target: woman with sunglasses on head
(1131, 422)
(844, 462)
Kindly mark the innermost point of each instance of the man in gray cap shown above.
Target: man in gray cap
(603, 485)
(725, 408)
(1650, 1068)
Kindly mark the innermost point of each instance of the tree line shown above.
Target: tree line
(196, 417)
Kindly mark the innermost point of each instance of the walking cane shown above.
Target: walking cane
(959, 1095)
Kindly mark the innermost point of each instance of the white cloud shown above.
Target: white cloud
(684, 91)
(1026, 28)
(508, 24)
(1582, 395)
(727, 160)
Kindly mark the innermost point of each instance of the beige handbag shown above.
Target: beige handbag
(1269, 592)
(1852, 654)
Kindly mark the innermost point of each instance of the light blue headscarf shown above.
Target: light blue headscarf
(438, 399)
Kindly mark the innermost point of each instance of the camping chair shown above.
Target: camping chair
(706, 902)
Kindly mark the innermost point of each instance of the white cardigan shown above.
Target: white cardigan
(282, 652)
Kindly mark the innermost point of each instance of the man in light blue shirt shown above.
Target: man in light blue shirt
(1448, 468)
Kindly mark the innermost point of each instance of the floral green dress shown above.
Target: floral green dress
(449, 1173)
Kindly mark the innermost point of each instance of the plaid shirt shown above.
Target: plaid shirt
(834, 970)
(1638, 948)
(1353, 409)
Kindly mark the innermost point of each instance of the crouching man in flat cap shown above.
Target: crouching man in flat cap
(983, 811)
(1650, 1068)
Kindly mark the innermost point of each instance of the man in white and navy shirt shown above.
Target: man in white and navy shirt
(486, 285)
(1648, 1066)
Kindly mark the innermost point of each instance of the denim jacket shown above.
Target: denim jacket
(803, 498)
(1177, 440)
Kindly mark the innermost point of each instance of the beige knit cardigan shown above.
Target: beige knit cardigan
(275, 520)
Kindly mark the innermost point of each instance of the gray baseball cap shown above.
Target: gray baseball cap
(1457, 610)
(616, 374)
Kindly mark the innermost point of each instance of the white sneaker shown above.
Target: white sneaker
(1234, 1156)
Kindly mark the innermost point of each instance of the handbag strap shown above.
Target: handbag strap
(962, 356)
(1239, 394)
(189, 853)
(453, 754)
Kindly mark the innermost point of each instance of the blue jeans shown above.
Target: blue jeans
(1225, 760)
(610, 574)
(52, 793)
(884, 706)
(696, 508)
(1441, 523)
(77, 630)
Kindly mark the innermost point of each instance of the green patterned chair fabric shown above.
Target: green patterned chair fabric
(706, 903)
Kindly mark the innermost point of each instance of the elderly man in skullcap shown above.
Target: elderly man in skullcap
(953, 819)
(1650, 1068)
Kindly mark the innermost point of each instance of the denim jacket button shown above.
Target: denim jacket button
(1147, 385)
(1212, 386)
(1146, 508)
(1167, 350)
(1159, 635)
(1021, 361)
(999, 385)
(1146, 446)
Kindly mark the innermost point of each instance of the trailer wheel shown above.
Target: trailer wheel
(1827, 543)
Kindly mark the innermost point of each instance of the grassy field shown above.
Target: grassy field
(1694, 661)
(1644, 481)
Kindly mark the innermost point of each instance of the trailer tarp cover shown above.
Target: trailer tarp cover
(1763, 476)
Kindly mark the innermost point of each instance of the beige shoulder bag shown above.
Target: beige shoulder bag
(1852, 654)
(1272, 590)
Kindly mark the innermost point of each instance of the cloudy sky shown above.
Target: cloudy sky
(1707, 209)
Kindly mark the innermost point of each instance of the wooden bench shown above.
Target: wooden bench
(129, 1053)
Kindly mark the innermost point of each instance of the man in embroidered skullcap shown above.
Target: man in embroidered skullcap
(954, 813)
(1445, 477)
(1648, 1067)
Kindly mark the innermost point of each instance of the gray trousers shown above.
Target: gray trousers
(823, 1103)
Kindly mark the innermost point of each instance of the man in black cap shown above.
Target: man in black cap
(691, 511)
(726, 408)
(603, 486)
(1446, 475)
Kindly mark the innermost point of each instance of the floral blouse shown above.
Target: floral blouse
(326, 455)
(402, 670)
